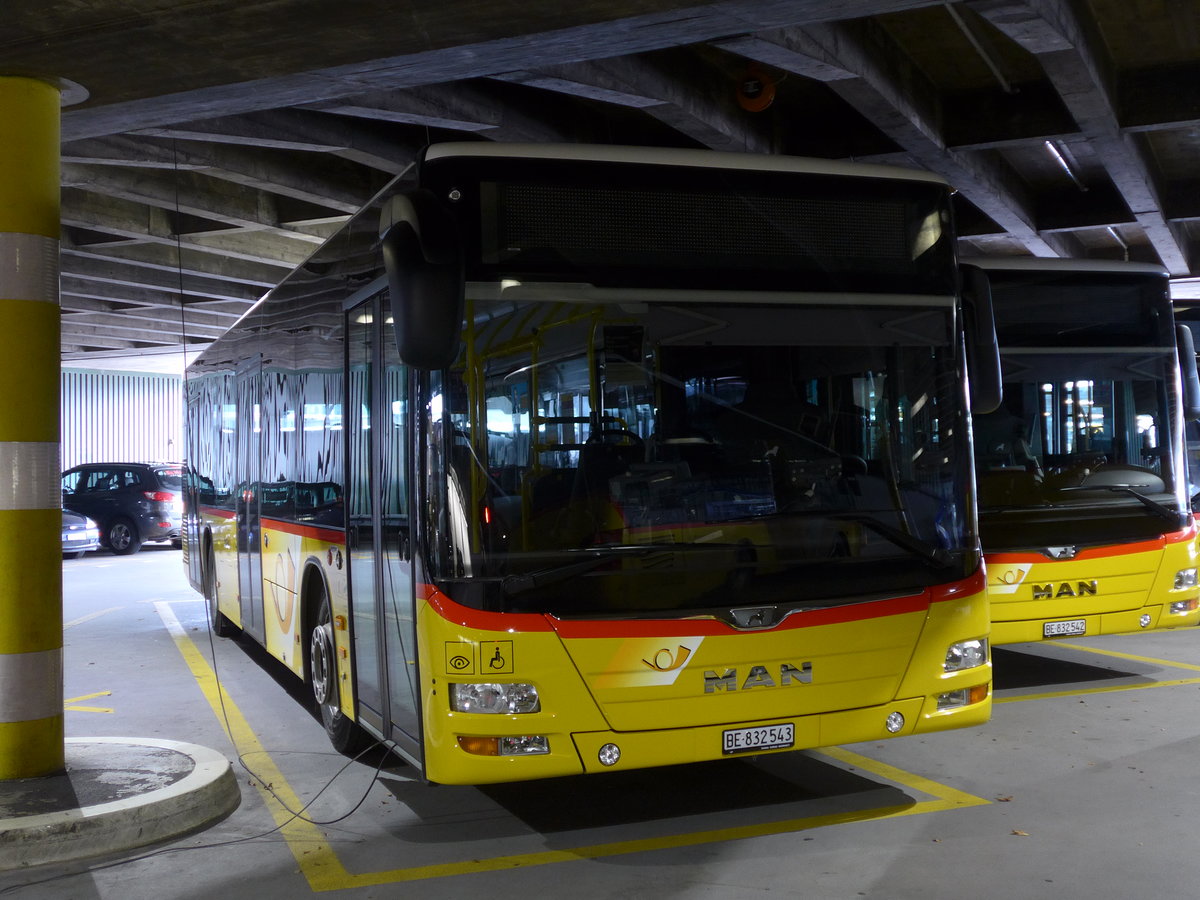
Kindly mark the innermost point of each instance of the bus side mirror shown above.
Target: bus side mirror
(1189, 380)
(423, 259)
(983, 350)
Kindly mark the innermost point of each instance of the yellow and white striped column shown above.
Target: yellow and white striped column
(31, 618)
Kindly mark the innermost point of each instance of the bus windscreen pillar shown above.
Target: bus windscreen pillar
(31, 618)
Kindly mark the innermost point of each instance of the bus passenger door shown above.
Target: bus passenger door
(246, 479)
(379, 539)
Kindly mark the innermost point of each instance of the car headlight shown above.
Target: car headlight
(966, 655)
(504, 699)
(1185, 578)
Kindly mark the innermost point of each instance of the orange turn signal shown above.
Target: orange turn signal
(480, 746)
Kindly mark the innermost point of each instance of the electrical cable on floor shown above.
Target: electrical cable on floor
(208, 618)
(293, 815)
(263, 783)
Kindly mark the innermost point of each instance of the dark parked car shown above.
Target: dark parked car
(79, 535)
(131, 502)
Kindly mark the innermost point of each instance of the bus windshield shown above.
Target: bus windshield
(1086, 448)
(682, 456)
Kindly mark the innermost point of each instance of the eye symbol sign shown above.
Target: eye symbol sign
(665, 661)
(460, 662)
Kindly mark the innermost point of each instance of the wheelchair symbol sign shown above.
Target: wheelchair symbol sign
(496, 657)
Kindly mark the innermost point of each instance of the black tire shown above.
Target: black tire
(220, 625)
(344, 733)
(122, 537)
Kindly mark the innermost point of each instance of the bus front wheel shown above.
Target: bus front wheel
(344, 733)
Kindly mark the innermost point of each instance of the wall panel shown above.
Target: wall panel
(120, 416)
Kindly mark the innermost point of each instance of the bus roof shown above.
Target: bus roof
(670, 156)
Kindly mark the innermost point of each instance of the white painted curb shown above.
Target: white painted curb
(210, 792)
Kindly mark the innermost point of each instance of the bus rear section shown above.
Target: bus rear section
(1084, 508)
(632, 458)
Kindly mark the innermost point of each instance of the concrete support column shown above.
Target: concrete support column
(31, 618)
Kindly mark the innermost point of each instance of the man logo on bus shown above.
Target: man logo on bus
(759, 676)
(665, 661)
(1064, 589)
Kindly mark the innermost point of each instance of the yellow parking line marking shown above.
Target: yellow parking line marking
(1048, 695)
(1166, 663)
(325, 872)
(1116, 688)
(72, 703)
(90, 616)
(948, 797)
(305, 840)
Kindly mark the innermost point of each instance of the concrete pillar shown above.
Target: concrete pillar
(31, 618)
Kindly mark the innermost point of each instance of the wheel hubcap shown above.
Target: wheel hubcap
(322, 663)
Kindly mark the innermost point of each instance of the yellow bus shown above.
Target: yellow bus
(558, 460)
(1083, 501)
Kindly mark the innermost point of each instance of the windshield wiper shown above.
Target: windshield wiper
(512, 585)
(939, 556)
(1159, 509)
(1151, 504)
(1025, 507)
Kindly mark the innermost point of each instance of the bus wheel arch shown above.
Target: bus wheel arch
(320, 664)
(217, 620)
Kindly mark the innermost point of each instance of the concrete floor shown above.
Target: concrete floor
(1082, 786)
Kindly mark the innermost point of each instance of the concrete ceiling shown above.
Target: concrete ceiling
(221, 140)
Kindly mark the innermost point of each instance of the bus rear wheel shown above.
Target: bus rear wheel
(220, 624)
(344, 733)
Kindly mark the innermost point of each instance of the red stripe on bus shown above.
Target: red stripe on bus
(458, 614)
(600, 628)
(309, 531)
(218, 512)
(1105, 552)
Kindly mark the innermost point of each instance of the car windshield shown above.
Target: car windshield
(687, 456)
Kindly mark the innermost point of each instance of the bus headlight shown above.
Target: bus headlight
(1185, 578)
(504, 699)
(966, 655)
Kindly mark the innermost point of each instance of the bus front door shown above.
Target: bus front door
(378, 538)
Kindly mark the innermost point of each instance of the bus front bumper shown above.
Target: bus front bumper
(612, 751)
